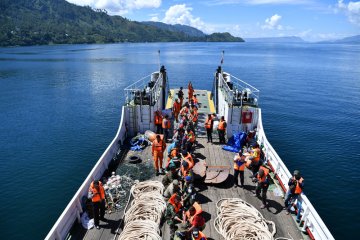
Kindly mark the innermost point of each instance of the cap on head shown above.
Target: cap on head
(185, 164)
(195, 232)
(188, 178)
(297, 173)
(261, 172)
(175, 182)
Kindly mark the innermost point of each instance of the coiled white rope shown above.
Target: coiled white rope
(237, 219)
(143, 218)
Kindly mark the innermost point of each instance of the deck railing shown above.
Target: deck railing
(145, 91)
(240, 92)
(74, 209)
(313, 224)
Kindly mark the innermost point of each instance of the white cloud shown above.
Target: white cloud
(259, 2)
(118, 6)
(273, 23)
(181, 14)
(351, 9)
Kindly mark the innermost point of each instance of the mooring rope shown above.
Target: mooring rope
(143, 218)
(237, 219)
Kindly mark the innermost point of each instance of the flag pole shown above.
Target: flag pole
(222, 58)
(159, 58)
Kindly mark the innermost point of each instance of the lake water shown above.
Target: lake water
(60, 108)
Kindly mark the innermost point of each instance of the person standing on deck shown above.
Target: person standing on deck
(97, 195)
(263, 181)
(209, 127)
(255, 155)
(158, 122)
(221, 130)
(190, 91)
(239, 167)
(296, 185)
(181, 96)
(166, 125)
(158, 148)
(176, 109)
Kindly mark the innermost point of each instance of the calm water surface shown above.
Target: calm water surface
(60, 108)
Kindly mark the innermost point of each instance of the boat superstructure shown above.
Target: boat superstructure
(232, 98)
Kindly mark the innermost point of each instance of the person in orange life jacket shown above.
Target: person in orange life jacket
(194, 116)
(190, 91)
(173, 213)
(158, 122)
(221, 129)
(197, 235)
(190, 139)
(209, 127)
(193, 218)
(184, 110)
(239, 167)
(158, 148)
(176, 109)
(296, 185)
(166, 124)
(181, 96)
(172, 151)
(263, 181)
(97, 195)
(255, 154)
(195, 101)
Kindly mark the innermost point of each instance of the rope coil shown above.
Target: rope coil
(143, 218)
(237, 219)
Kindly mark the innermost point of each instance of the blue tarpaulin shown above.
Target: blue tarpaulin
(236, 142)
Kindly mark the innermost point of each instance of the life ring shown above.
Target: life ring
(134, 159)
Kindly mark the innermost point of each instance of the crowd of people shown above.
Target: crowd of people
(183, 213)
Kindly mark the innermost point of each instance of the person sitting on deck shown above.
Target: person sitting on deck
(239, 167)
(158, 122)
(158, 148)
(195, 101)
(185, 110)
(194, 116)
(193, 218)
(174, 187)
(176, 109)
(263, 181)
(185, 170)
(178, 136)
(296, 185)
(172, 151)
(173, 213)
(188, 192)
(190, 139)
(197, 235)
(190, 91)
(170, 175)
(97, 195)
(181, 96)
(221, 130)
(166, 125)
(209, 127)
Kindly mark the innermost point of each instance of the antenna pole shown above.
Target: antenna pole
(222, 58)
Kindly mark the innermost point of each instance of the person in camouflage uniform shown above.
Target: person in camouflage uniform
(173, 213)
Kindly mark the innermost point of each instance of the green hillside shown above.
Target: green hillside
(38, 22)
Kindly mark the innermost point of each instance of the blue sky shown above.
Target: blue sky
(313, 20)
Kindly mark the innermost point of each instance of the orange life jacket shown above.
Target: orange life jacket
(195, 100)
(184, 111)
(177, 206)
(298, 189)
(198, 210)
(256, 154)
(158, 146)
(221, 125)
(98, 194)
(191, 136)
(166, 124)
(208, 122)
(240, 160)
(176, 107)
(263, 178)
(200, 236)
(195, 116)
(157, 119)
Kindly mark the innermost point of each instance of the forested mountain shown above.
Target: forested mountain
(35, 22)
(190, 31)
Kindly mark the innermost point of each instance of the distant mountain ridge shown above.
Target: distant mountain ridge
(290, 39)
(353, 40)
(190, 31)
(38, 22)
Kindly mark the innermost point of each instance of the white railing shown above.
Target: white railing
(312, 220)
(73, 210)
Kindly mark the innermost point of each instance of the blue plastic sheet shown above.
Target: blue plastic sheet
(236, 142)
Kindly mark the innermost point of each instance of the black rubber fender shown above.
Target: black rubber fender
(134, 159)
